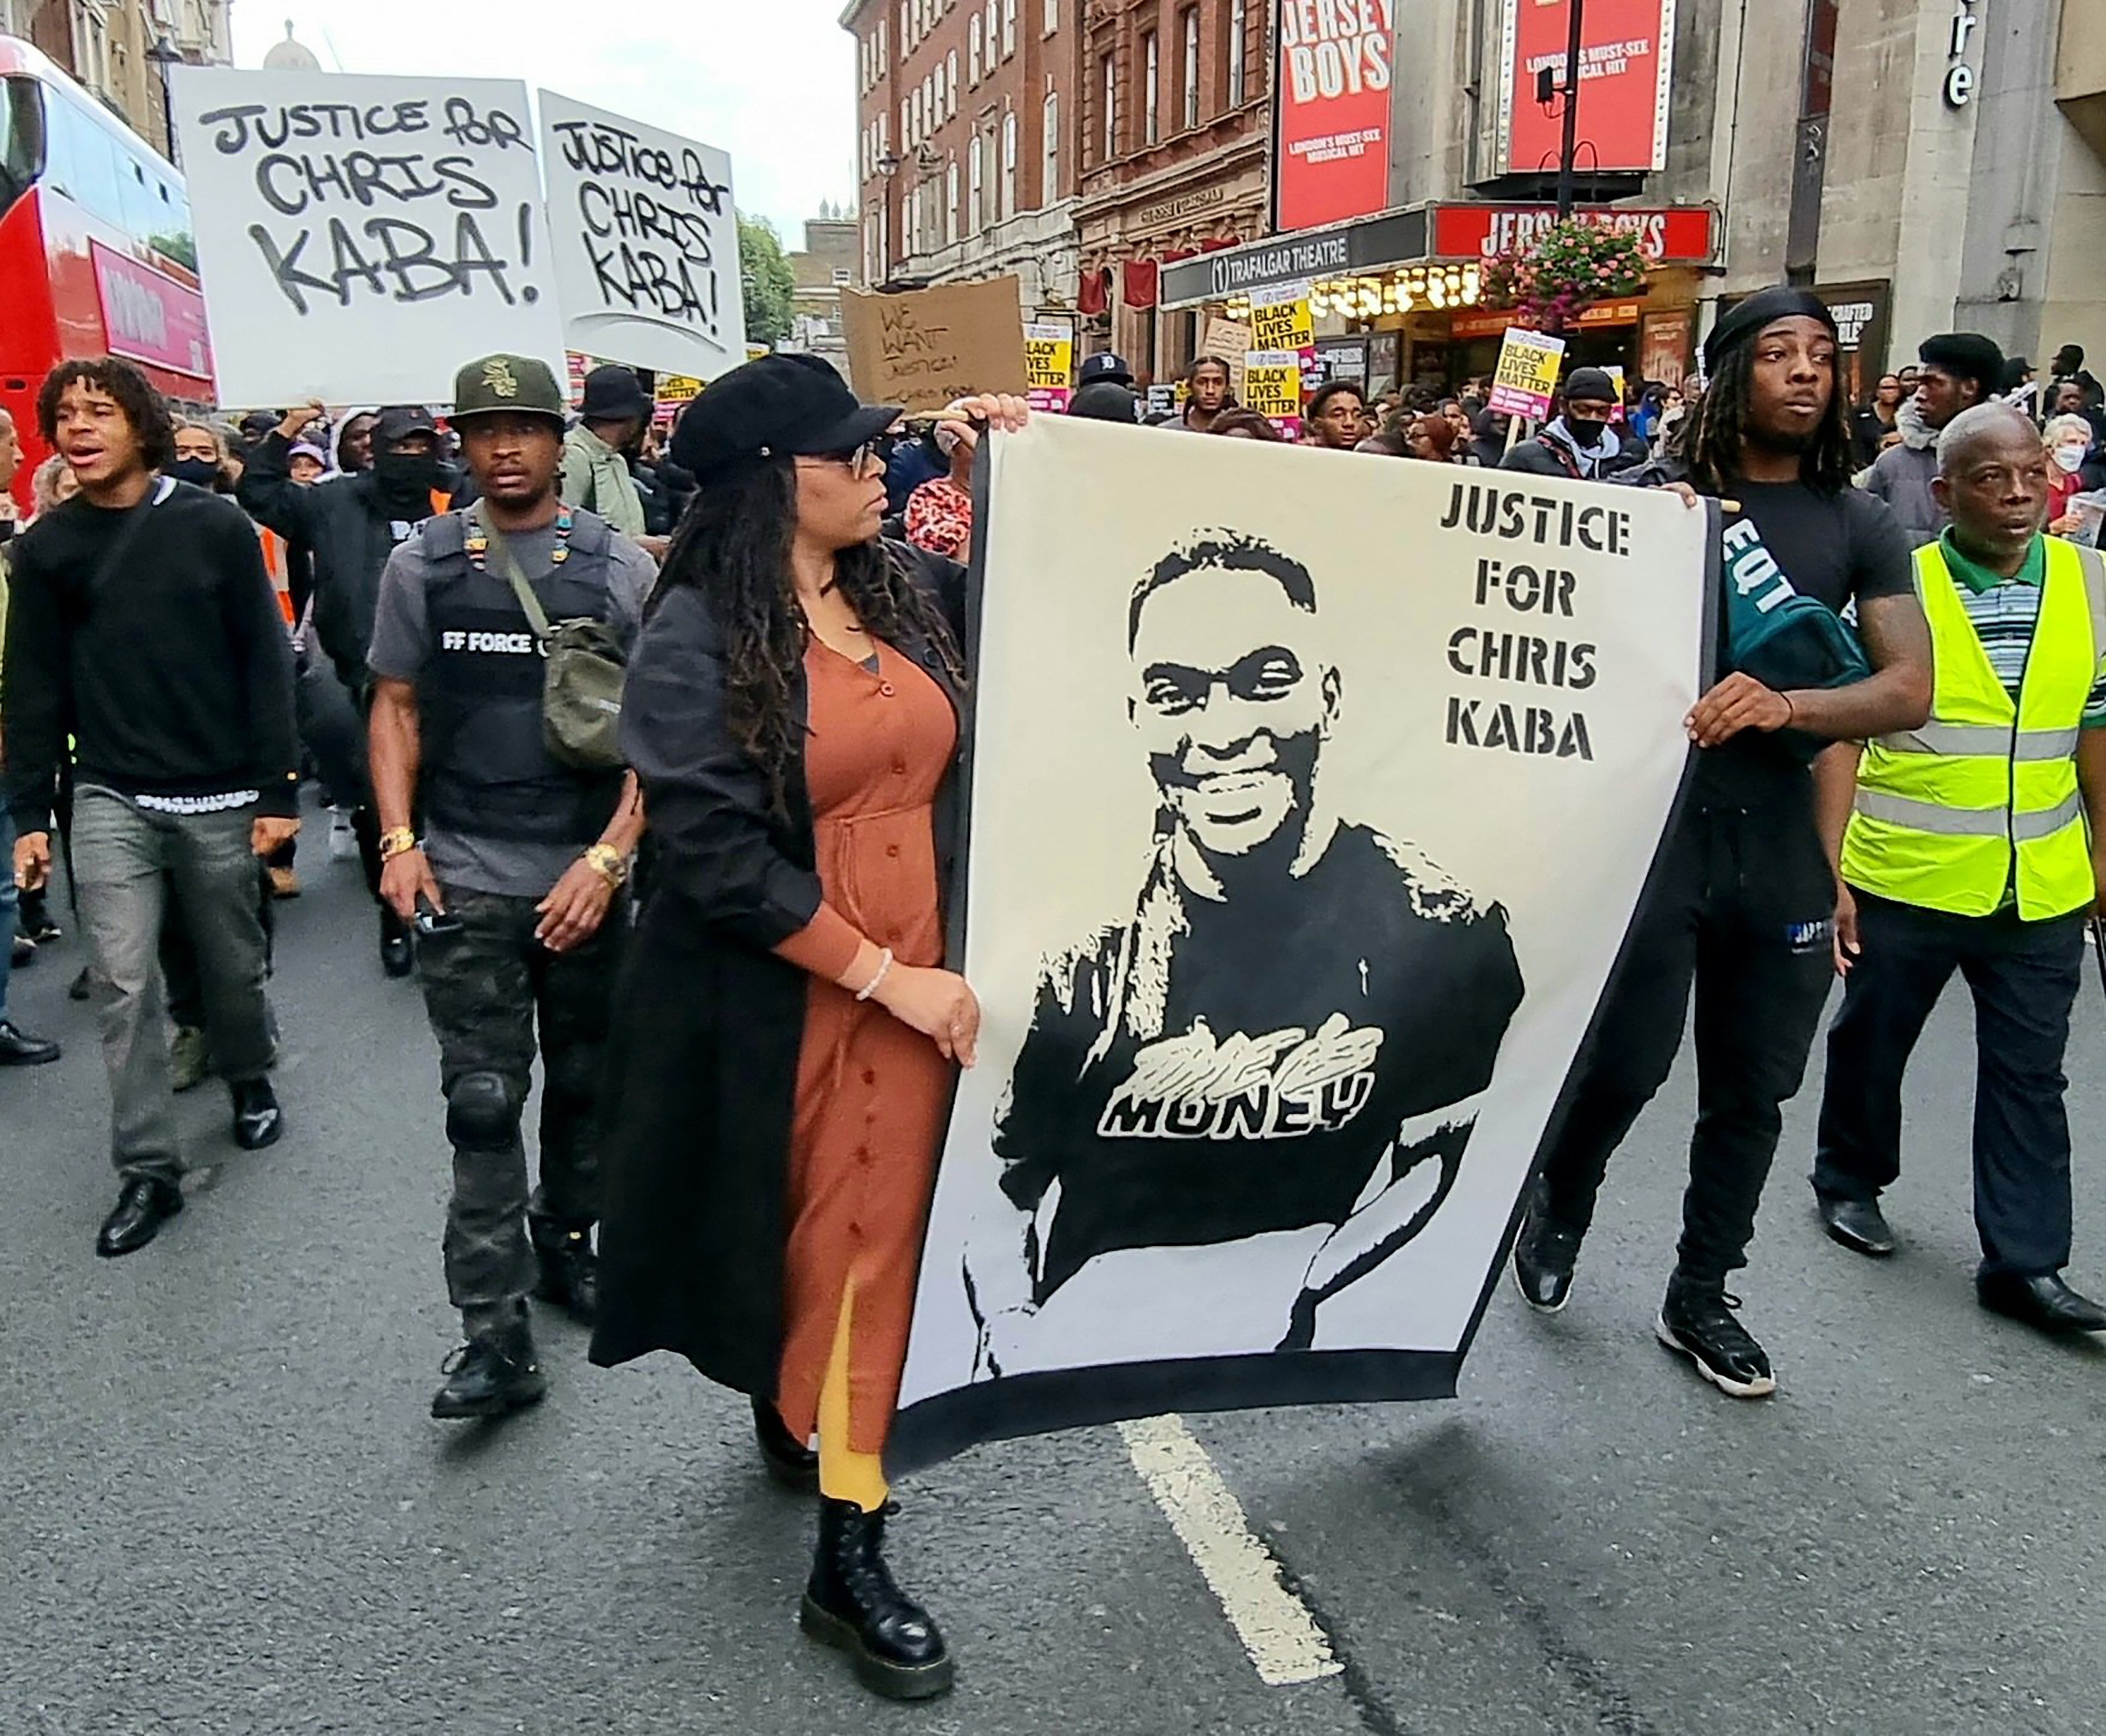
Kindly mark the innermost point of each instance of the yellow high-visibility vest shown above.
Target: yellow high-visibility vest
(1984, 797)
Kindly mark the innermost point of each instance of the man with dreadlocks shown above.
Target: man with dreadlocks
(1743, 897)
(516, 887)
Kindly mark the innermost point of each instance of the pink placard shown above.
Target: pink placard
(148, 316)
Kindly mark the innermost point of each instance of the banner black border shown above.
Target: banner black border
(939, 1428)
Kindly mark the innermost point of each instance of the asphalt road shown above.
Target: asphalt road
(224, 1509)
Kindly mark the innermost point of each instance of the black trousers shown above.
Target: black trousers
(2024, 978)
(1743, 911)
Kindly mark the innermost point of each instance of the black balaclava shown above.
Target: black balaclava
(404, 481)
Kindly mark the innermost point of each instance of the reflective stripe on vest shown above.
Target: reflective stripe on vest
(1980, 806)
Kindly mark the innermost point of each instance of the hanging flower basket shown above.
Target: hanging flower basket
(1565, 270)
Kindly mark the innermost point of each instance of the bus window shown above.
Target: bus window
(81, 162)
(21, 138)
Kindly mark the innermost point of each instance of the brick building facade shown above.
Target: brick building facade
(106, 44)
(964, 142)
(1174, 130)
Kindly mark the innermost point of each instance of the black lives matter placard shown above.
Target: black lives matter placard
(360, 238)
(646, 242)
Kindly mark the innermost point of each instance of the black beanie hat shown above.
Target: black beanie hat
(1740, 322)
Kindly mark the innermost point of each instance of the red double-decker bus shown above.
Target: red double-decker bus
(96, 256)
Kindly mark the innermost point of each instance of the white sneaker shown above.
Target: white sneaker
(342, 841)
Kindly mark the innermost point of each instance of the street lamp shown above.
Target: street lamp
(165, 54)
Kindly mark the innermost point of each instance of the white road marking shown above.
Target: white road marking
(1275, 1627)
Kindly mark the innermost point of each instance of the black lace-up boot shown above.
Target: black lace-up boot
(852, 1604)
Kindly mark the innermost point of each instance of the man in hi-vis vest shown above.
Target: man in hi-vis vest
(1977, 843)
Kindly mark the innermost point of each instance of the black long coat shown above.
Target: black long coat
(703, 1069)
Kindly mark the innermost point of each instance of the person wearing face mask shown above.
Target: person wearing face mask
(353, 524)
(2073, 468)
(1580, 443)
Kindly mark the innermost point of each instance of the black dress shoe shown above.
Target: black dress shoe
(493, 1374)
(1543, 1257)
(570, 1271)
(851, 1604)
(788, 1461)
(257, 1120)
(397, 957)
(20, 1049)
(1858, 1224)
(142, 1208)
(2044, 1302)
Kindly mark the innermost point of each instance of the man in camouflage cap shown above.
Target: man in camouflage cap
(516, 886)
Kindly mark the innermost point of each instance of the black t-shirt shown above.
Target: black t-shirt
(1219, 1068)
(1838, 549)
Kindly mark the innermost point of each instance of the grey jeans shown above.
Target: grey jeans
(127, 858)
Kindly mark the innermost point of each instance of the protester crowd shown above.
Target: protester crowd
(644, 746)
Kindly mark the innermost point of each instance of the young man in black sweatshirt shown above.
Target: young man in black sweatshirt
(141, 622)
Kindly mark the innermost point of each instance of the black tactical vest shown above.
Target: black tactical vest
(486, 773)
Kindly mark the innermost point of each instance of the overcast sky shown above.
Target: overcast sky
(773, 82)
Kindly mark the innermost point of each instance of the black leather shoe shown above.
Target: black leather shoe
(788, 1461)
(1699, 1324)
(397, 958)
(18, 1049)
(1544, 1254)
(851, 1604)
(491, 1376)
(570, 1271)
(2044, 1302)
(142, 1208)
(257, 1120)
(1858, 1224)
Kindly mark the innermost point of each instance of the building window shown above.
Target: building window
(1050, 189)
(994, 53)
(1236, 26)
(905, 37)
(951, 85)
(1191, 91)
(950, 205)
(1108, 84)
(1052, 18)
(973, 49)
(1151, 69)
(1008, 28)
(1009, 164)
(975, 209)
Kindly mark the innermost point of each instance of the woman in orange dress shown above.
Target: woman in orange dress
(788, 1032)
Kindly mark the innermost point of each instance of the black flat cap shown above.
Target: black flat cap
(777, 406)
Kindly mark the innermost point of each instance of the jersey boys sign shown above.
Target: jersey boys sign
(1627, 50)
(1336, 69)
(1280, 988)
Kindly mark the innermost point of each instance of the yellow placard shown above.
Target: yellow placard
(678, 388)
(1284, 326)
(1525, 380)
(1272, 383)
(1049, 357)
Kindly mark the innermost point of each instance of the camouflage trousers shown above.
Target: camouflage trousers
(486, 987)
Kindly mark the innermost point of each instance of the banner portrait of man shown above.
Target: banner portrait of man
(1281, 986)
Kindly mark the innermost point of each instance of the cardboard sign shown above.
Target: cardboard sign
(1526, 382)
(1048, 358)
(1229, 340)
(646, 241)
(359, 239)
(921, 349)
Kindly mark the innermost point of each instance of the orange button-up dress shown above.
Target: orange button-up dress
(872, 1095)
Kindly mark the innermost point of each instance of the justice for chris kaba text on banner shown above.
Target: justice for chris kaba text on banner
(1295, 877)
(359, 237)
(646, 242)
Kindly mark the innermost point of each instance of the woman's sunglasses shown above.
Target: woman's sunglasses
(879, 451)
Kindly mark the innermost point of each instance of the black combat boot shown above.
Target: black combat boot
(789, 1461)
(570, 1270)
(494, 1373)
(851, 1604)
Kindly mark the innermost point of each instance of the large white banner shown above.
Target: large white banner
(645, 240)
(1312, 797)
(360, 238)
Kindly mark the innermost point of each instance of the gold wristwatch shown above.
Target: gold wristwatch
(399, 842)
(609, 863)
